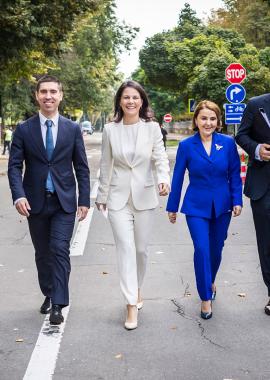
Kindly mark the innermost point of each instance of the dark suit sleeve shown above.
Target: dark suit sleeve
(81, 169)
(177, 180)
(15, 164)
(243, 136)
(234, 175)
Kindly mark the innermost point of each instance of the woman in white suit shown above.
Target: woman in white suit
(127, 187)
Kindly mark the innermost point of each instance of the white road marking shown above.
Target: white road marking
(43, 360)
(78, 243)
(44, 356)
(80, 237)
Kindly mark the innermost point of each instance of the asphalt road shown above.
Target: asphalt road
(172, 342)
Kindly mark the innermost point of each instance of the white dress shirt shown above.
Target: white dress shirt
(43, 126)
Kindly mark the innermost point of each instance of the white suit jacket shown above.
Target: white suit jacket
(119, 178)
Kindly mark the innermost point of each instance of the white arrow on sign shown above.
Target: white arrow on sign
(235, 90)
(234, 118)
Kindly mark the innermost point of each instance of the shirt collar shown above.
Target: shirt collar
(43, 119)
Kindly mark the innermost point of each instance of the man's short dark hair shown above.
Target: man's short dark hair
(49, 78)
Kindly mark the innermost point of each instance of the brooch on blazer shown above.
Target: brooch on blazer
(218, 147)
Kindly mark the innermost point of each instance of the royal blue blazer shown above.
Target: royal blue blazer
(215, 180)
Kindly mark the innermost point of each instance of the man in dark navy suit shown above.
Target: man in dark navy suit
(254, 137)
(52, 149)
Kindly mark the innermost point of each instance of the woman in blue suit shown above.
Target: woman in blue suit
(213, 194)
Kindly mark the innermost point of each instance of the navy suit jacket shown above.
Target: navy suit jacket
(69, 153)
(214, 180)
(252, 131)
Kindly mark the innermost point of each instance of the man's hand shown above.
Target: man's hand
(82, 212)
(237, 210)
(264, 152)
(23, 207)
(163, 189)
(172, 217)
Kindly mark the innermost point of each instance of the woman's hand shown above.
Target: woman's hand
(101, 206)
(172, 217)
(237, 210)
(163, 189)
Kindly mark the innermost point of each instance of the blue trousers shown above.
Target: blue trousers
(51, 232)
(208, 237)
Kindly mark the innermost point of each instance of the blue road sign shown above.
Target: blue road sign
(191, 105)
(235, 93)
(234, 113)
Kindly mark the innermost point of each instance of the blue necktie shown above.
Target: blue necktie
(49, 151)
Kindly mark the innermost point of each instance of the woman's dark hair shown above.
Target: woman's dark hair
(146, 113)
(211, 106)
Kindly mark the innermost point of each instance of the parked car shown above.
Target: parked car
(87, 127)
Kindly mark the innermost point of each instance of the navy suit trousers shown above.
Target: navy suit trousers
(261, 216)
(51, 231)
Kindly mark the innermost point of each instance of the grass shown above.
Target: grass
(172, 143)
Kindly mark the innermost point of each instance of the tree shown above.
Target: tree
(88, 68)
(161, 101)
(82, 52)
(195, 66)
(250, 18)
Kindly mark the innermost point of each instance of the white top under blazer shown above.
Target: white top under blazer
(120, 177)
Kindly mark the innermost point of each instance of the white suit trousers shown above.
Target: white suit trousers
(131, 229)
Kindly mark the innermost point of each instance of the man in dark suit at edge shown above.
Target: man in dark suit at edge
(254, 137)
(50, 146)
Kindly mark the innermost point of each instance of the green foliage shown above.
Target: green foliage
(264, 57)
(161, 101)
(44, 25)
(77, 41)
(88, 68)
(250, 18)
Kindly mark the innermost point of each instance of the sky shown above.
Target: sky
(154, 16)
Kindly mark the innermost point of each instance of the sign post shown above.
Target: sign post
(235, 73)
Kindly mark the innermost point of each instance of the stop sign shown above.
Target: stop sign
(235, 73)
(167, 118)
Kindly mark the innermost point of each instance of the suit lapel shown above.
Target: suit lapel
(198, 146)
(61, 135)
(35, 131)
(267, 108)
(217, 145)
(138, 140)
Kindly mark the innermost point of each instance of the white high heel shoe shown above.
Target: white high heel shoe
(139, 305)
(132, 325)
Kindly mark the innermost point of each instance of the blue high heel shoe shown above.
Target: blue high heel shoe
(207, 314)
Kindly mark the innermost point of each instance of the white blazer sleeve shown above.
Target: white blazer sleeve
(160, 157)
(106, 163)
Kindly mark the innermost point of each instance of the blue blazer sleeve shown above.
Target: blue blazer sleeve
(234, 177)
(177, 180)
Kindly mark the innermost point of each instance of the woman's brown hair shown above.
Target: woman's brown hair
(211, 106)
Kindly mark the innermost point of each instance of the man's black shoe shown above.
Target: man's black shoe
(267, 308)
(45, 308)
(56, 317)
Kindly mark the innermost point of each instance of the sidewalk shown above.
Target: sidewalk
(3, 162)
